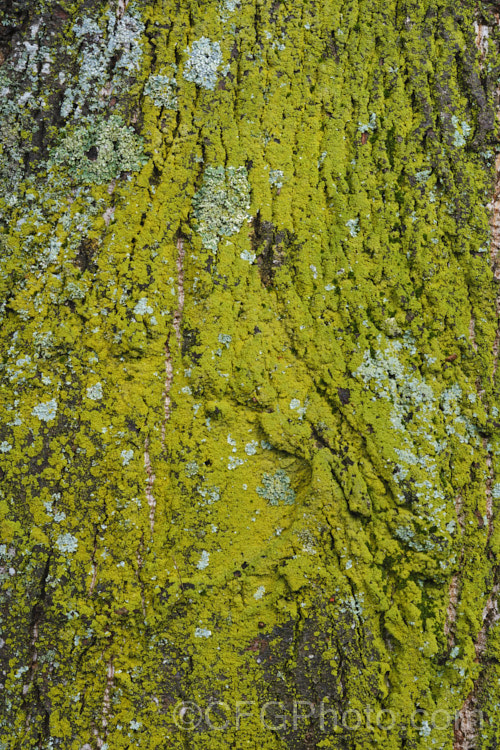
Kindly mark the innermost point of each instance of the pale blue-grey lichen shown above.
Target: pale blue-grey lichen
(191, 469)
(202, 633)
(423, 175)
(251, 448)
(205, 58)
(247, 255)
(461, 132)
(276, 177)
(127, 456)
(143, 307)
(46, 411)
(100, 151)
(67, 543)
(204, 560)
(120, 45)
(260, 592)
(423, 421)
(162, 90)
(407, 535)
(277, 488)
(23, 92)
(94, 392)
(353, 225)
(369, 126)
(295, 405)
(43, 342)
(234, 462)
(74, 291)
(221, 205)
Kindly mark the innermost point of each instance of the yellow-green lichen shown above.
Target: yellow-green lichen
(190, 345)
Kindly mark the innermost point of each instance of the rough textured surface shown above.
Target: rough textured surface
(254, 455)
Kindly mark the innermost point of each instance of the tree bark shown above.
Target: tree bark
(250, 447)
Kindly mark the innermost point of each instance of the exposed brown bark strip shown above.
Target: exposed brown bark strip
(180, 289)
(150, 479)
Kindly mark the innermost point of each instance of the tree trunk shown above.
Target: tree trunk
(251, 442)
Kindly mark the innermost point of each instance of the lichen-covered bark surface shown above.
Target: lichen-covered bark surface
(250, 439)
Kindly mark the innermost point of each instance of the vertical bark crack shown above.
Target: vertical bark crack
(169, 376)
(150, 479)
(180, 289)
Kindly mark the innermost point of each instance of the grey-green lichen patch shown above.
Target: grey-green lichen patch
(259, 593)
(205, 58)
(120, 43)
(407, 535)
(204, 560)
(251, 448)
(94, 392)
(277, 488)
(221, 205)
(67, 543)
(462, 131)
(424, 425)
(369, 126)
(276, 177)
(74, 291)
(162, 90)
(191, 469)
(20, 99)
(126, 456)
(45, 411)
(202, 633)
(353, 225)
(143, 307)
(100, 151)
(295, 406)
